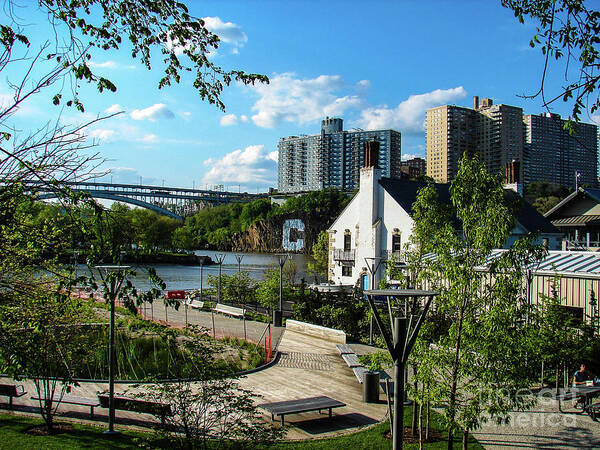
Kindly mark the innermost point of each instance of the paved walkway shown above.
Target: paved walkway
(543, 427)
(307, 367)
(221, 324)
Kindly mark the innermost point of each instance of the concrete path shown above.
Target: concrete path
(543, 427)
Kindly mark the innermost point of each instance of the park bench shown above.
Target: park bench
(73, 400)
(11, 391)
(229, 310)
(344, 349)
(594, 410)
(138, 405)
(196, 304)
(300, 406)
(351, 360)
(584, 395)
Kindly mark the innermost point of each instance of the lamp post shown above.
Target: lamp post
(239, 257)
(111, 275)
(220, 258)
(404, 334)
(278, 315)
(373, 268)
(201, 276)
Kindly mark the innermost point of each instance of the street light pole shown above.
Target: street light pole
(201, 276)
(109, 273)
(404, 334)
(220, 258)
(278, 315)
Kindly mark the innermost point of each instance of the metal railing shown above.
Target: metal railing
(343, 255)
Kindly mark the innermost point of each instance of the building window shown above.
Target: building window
(346, 271)
(347, 239)
(396, 242)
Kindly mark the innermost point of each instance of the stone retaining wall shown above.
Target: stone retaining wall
(328, 334)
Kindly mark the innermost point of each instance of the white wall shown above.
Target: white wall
(371, 218)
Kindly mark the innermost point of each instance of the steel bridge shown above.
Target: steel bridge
(170, 201)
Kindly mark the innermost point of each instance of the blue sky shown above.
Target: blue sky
(378, 64)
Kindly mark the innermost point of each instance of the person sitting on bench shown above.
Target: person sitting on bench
(583, 377)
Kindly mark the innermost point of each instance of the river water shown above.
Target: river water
(188, 277)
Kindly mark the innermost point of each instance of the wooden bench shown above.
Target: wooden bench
(229, 310)
(138, 405)
(594, 410)
(351, 360)
(11, 391)
(359, 373)
(301, 405)
(196, 304)
(344, 349)
(583, 395)
(72, 400)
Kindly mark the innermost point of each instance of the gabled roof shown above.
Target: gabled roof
(404, 192)
(594, 194)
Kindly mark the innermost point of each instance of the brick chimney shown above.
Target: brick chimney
(371, 154)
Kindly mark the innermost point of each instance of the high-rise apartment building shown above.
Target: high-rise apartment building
(334, 157)
(499, 135)
(450, 132)
(554, 155)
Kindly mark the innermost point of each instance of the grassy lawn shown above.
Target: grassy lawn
(91, 437)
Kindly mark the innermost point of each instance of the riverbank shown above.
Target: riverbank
(180, 259)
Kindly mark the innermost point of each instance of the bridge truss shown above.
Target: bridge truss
(170, 201)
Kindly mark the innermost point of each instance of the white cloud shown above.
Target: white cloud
(102, 133)
(149, 139)
(109, 65)
(228, 120)
(408, 156)
(244, 118)
(228, 32)
(251, 167)
(363, 84)
(409, 115)
(291, 99)
(103, 65)
(595, 119)
(153, 113)
(112, 109)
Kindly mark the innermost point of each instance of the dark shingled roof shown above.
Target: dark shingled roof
(404, 192)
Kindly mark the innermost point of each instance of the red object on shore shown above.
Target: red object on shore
(176, 294)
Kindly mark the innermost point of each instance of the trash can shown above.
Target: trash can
(277, 318)
(371, 387)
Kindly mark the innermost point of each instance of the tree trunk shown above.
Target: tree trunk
(420, 426)
(465, 439)
(556, 370)
(414, 417)
(427, 423)
(450, 439)
(542, 382)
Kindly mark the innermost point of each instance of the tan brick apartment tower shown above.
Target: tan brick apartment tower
(494, 132)
(450, 132)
